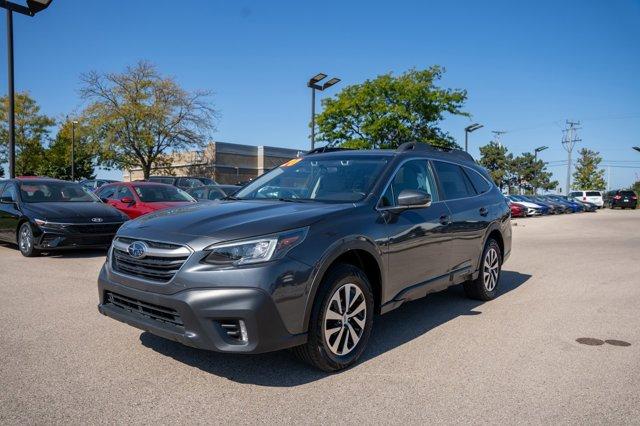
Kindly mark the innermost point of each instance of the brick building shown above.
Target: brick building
(228, 163)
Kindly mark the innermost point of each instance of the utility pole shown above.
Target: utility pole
(569, 140)
(497, 136)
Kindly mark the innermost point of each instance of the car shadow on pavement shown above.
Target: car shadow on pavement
(65, 254)
(76, 253)
(283, 369)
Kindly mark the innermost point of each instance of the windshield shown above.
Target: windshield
(345, 178)
(161, 193)
(54, 192)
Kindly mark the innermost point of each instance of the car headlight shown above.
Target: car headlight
(255, 250)
(40, 222)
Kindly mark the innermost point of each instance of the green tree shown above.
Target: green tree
(497, 161)
(587, 174)
(58, 153)
(31, 132)
(388, 111)
(529, 173)
(636, 187)
(139, 117)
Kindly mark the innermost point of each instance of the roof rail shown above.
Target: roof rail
(420, 146)
(322, 149)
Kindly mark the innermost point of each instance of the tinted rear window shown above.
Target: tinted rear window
(454, 181)
(479, 183)
(627, 193)
(593, 194)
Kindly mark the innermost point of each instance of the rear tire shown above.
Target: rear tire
(485, 286)
(338, 337)
(26, 241)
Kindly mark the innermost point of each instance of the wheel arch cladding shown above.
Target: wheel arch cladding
(358, 253)
(496, 235)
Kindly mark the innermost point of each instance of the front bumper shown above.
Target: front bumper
(197, 317)
(69, 236)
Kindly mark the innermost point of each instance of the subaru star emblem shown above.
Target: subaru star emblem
(96, 219)
(137, 249)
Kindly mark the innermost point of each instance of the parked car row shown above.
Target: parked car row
(539, 205)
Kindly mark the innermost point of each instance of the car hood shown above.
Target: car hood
(72, 212)
(208, 223)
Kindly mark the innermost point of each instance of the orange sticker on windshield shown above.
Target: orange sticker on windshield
(291, 162)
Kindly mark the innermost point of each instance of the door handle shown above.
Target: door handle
(483, 211)
(444, 219)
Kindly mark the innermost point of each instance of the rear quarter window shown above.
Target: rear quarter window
(479, 183)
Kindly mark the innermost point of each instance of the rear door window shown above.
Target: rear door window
(479, 183)
(593, 194)
(454, 181)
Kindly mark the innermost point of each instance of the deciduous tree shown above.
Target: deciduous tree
(58, 153)
(388, 111)
(31, 133)
(140, 117)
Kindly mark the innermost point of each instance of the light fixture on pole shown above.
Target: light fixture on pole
(539, 149)
(314, 84)
(637, 148)
(32, 7)
(535, 155)
(472, 128)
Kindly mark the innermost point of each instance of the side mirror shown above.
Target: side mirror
(7, 200)
(413, 198)
(127, 200)
(104, 200)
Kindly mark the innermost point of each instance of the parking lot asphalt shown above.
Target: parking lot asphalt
(440, 359)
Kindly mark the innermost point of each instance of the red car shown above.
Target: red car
(138, 198)
(517, 210)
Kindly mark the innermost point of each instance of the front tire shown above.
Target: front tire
(341, 320)
(485, 286)
(26, 241)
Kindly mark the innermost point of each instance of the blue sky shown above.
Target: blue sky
(527, 66)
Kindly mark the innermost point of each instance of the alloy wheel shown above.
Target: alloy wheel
(345, 319)
(491, 269)
(26, 239)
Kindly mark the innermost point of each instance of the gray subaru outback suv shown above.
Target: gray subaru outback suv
(305, 256)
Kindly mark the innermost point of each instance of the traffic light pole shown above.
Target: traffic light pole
(11, 96)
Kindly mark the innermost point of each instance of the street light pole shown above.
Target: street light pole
(73, 150)
(313, 84)
(11, 95)
(32, 7)
(637, 148)
(313, 117)
(467, 130)
(535, 156)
